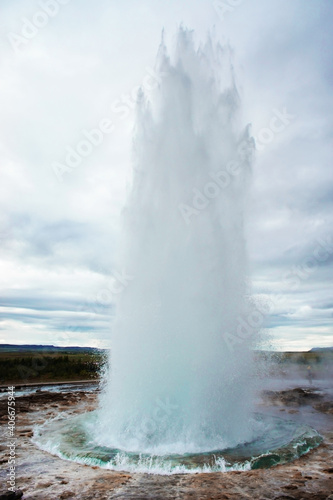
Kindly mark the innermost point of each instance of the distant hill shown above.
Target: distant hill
(321, 349)
(47, 348)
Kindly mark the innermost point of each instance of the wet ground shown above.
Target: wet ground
(42, 476)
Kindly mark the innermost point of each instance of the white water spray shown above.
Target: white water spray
(176, 383)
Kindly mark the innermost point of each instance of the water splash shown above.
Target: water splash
(175, 386)
(279, 441)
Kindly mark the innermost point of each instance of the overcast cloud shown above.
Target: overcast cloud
(80, 71)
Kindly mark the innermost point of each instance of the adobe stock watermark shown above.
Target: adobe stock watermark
(297, 274)
(162, 414)
(201, 199)
(75, 155)
(118, 281)
(223, 7)
(220, 180)
(277, 124)
(117, 284)
(249, 324)
(125, 104)
(93, 138)
(31, 27)
(11, 445)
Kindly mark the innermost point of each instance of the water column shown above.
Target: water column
(175, 384)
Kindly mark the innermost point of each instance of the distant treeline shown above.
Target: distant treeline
(48, 367)
(22, 348)
(309, 357)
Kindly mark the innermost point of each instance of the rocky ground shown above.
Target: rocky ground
(41, 476)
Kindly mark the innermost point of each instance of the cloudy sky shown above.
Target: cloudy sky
(70, 66)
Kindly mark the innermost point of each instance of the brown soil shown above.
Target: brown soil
(42, 476)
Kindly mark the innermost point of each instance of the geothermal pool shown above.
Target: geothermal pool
(278, 441)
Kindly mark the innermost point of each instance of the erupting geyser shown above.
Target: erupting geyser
(176, 384)
(180, 392)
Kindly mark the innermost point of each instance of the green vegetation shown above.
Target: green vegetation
(28, 366)
(35, 364)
